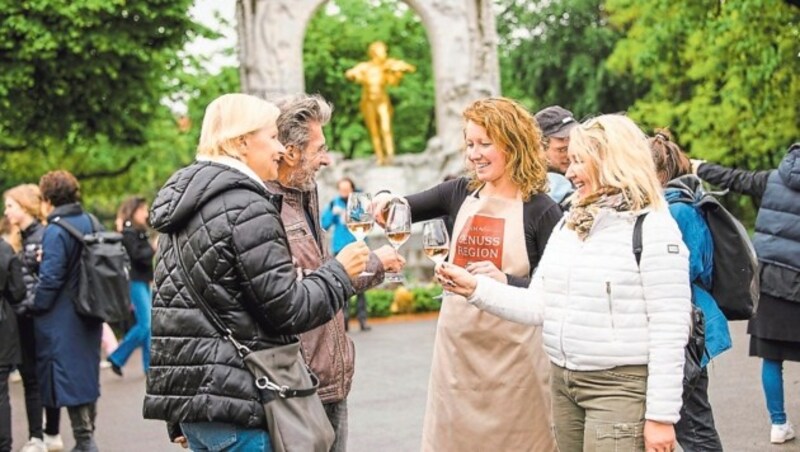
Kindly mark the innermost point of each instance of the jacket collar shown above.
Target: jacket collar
(31, 229)
(65, 210)
(232, 163)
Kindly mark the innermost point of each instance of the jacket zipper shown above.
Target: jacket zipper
(611, 309)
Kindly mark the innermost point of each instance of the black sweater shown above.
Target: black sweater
(540, 214)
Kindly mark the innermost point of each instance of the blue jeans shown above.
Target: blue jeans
(772, 380)
(139, 335)
(219, 437)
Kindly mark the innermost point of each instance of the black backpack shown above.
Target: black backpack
(103, 283)
(696, 346)
(735, 285)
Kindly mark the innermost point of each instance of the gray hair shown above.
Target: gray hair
(297, 112)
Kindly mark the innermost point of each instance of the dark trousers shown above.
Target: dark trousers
(696, 431)
(361, 311)
(27, 370)
(82, 419)
(5, 410)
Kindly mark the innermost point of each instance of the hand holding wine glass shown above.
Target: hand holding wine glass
(359, 217)
(398, 231)
(436, 242)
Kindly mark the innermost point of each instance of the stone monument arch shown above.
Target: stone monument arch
(462, 34)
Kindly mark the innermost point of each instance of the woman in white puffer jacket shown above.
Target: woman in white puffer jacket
(614, 328)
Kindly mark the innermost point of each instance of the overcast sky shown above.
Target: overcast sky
(204, 11)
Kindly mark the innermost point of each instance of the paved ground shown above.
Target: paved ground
(388, 398)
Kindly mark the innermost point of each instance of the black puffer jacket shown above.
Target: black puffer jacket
(31, 244)
(230, 235)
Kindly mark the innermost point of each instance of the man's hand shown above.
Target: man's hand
(391, 260)
(487, 268)
(659, 437)
(354, 258)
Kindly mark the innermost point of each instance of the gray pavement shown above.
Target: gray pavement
(388, 398)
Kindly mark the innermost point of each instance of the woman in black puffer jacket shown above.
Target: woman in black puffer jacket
(228, 230)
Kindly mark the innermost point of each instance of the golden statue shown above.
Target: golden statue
(374, 75)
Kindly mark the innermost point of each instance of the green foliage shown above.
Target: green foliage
(337, 39)
(114, 130)
(553, 52)
(379, 301)
(724, 76)
(423, 298)
(75, 70)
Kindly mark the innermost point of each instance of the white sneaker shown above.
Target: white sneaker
(105, 364)
(781, 433)
(54, 443)
(34, 445)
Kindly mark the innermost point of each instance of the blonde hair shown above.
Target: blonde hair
(231, 117)
(29, 199)
(513, 130)
(10, 234)
(620, 153)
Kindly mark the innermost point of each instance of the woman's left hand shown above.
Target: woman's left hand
(659, 437)
(488, 269)
(456, 280)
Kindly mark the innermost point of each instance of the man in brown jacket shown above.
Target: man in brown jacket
(327, 349)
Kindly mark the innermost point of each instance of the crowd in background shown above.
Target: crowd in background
(571, 336)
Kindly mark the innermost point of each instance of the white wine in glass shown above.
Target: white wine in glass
(398, 231)
(359, 217)
(436, 243)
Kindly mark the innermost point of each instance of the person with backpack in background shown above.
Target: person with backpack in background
(12, 291)
(695, 430)
(23, 209)
(134, 215)
(67, 344)
(333, 217)
(614, 328)
(774, 332)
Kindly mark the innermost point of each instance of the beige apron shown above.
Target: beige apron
(489, 385)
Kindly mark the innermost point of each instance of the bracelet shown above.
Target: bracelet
(379, 192)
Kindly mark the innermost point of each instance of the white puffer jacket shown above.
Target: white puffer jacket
(601, 310)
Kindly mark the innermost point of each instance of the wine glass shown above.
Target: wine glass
(359, 217)
(398, 230)
(436, 243)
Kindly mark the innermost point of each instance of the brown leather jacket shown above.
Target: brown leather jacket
(328, 350)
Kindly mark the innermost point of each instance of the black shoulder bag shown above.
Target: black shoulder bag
(296, 419)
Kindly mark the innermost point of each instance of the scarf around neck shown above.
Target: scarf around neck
(582, 215)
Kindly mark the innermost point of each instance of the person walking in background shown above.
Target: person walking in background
(67, 345)
(556, 123)
(134, 215)
(23, 209)
(774, 335)
(695, 430)
(329, 352)
(615, 326)
(333, 219)
(12, 291)
(218, 214)
(489, 378)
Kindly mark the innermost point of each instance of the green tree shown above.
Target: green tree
(724, 76)
(337, 39)
(554, 52)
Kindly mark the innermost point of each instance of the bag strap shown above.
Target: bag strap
(73, 231)
(637, 238)
(212, 316)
